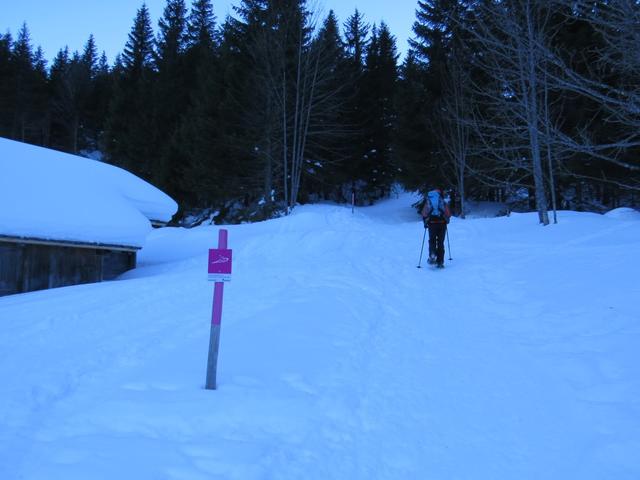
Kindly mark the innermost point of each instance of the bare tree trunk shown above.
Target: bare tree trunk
(453, 128)
(290, 80)
(307, 121)
(511, 37)
(531, 85)
(296, 119)
(547, 123)
(268, 170)
(75, 127)
(285, 159)
(461, 192)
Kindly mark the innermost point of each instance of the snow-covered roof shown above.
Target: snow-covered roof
(50, 195)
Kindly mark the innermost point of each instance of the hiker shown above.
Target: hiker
(436, 215)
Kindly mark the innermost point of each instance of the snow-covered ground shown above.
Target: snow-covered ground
(339, 358)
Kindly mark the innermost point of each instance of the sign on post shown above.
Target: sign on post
(219, 272)
(220, 265)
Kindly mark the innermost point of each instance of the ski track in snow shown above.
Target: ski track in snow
(339, 358)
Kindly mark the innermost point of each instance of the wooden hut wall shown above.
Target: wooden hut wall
(115, 263)
(27, 267)
(11, 255)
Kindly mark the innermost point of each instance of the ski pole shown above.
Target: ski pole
(422, 249)
(448, 244)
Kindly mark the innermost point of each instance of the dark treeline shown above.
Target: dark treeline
(533, 103)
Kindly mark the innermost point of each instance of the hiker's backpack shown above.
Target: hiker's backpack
(437, 204)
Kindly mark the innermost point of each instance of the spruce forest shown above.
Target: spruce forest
(533, 103)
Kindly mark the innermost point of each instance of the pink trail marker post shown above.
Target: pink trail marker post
(219, 272)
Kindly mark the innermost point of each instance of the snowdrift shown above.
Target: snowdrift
(51, 195)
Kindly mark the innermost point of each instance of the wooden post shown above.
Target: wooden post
(216, 319)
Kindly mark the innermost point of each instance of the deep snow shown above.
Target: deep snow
(339, 358)
(51, 195)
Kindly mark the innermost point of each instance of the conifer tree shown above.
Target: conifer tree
(74, 123)
(329, 146)
(23, 86)
(201, 26)
(96, 105)
(203, 173)
(70, 81)
(40, 99)
(433, 29)
(356, 32)
(90, 55)
(138, 54)
(60, 103)
(412, 140)
(29, 91)
(425, 69)
(170, 93)
(172, 34)
(6, 91)
(102, 92)
(128, 141)
(275, 40)
(380, 80)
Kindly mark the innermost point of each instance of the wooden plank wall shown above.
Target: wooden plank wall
(115, 263)
(29, 267)
(11, 260)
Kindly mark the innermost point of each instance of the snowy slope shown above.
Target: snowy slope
(339, 358)
(47, 194)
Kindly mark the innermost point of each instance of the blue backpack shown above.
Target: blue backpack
(437, 204)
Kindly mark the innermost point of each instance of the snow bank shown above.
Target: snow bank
(56, 196)
(624, 214)
(484, 209)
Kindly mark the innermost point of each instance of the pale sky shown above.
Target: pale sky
(54, 24)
